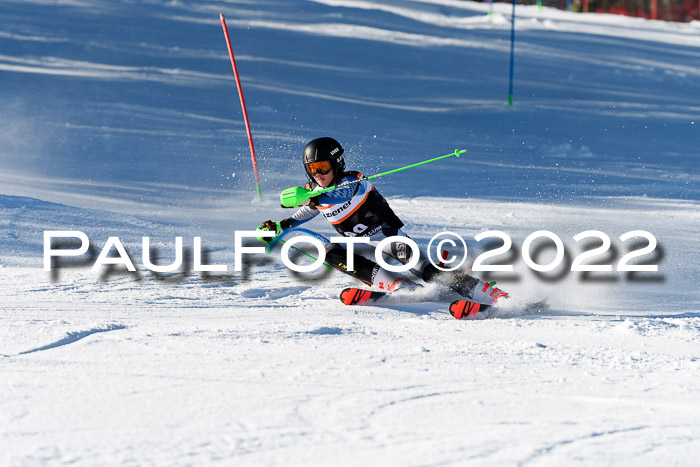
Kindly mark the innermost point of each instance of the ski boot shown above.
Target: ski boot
(465, 285)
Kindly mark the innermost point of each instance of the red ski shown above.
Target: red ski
(460, 309)
(356, 296)
(465, 309)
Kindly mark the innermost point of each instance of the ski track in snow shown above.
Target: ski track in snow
(73, 337)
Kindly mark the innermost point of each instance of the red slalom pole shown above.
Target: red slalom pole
(258, 188)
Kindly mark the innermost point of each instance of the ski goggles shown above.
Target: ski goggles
(322, 167)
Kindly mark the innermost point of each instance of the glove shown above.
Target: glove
(269, 226)
(313, 202)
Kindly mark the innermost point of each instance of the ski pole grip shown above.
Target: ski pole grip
(295, 196)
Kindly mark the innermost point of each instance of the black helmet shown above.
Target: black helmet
(324, 149)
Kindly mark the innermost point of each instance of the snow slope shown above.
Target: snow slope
(121, 119)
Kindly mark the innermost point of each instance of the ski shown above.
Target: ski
(459, 309)
(466, 309)
(357, 296)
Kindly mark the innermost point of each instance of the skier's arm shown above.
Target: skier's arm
(308, 212)
(301, 216)
(304, 214)
(339, 196)
(343, 195)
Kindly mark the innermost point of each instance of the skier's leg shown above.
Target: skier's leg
(364, 269)
(458, 281)
(398, 250)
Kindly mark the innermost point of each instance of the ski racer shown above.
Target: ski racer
(360, 210)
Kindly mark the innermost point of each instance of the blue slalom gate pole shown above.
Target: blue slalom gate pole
(512, 54)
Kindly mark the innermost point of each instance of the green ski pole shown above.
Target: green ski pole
(293, 197)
